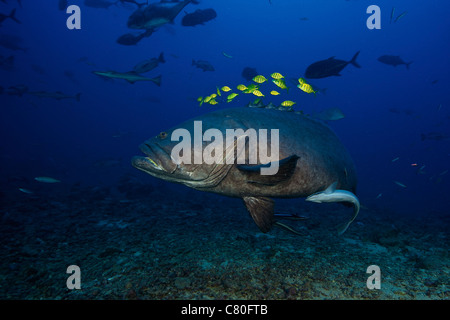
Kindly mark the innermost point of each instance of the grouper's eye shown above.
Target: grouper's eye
(163, 135)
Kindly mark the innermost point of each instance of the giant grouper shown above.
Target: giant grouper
(312, 162)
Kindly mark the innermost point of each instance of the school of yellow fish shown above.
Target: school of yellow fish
(254, 88)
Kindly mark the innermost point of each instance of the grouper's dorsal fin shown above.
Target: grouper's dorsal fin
(261, 210)
(286, 168)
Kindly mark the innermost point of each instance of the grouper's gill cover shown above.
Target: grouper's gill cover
(160, 161)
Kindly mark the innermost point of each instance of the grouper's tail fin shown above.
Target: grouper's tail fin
(353, 61)
(407, 64)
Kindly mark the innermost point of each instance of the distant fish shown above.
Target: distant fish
(379, 196)
(18, 90)
(227, 55)
(199, 16)
(131, 76)
(287, 103)
(148, 65)
(406, 111)
(330, 114)
(331, 194)
(258, 93)
(241, 87)
(25, 191)
(231, 96)
(395, 159)
(393, 61)
(11, 42)
(46, 180)
(401, 15)
(120, 134)
(202, 64)
(421, 170)
(249, 73)
(211, 99)
(329, 67)
(400, 184)
(11, 16)
(208, 98)
(392, 14)
(316, 89)
(277, 75)
(305, 87)
(130, 39)
(86, 61)
(433, 136)
(155, 15)
(280, 83)
(259, 79)
(251, 87)
(54, 95)
(133, 2)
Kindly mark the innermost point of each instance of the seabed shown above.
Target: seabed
(154, 242)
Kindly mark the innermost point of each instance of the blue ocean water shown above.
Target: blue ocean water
(396, 125)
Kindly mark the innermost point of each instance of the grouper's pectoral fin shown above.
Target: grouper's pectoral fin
(286, 168)
(261, 210)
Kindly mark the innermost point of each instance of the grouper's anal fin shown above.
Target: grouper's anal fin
(261, 210)
(286, 168)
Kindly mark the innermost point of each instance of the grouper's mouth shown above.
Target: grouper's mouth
(157, 161)
(145, 164)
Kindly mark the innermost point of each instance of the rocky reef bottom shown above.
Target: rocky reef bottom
(172, 244)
